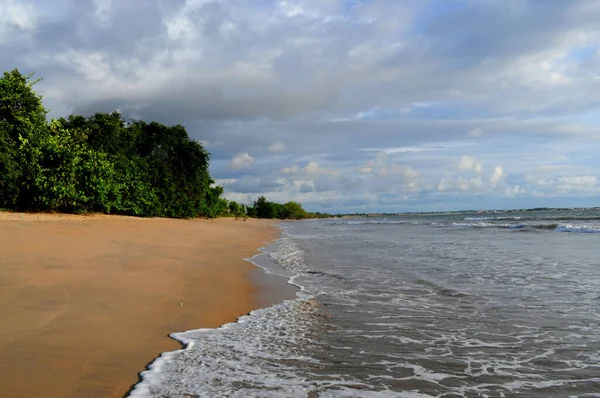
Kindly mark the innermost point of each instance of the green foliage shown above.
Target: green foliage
(98, 164)
(215, 205)
(265, 209)
(262, 208)
(67, 176)
(319, 215)
(21, 115)
(251, 211)
(103, 163)
(237, 210)
(234, 208)
(21, 109)
(10, 172)
(293, 210)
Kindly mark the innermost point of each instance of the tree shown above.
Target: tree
(102, 163)
(68, 176)
(21, 109)
(251, 211)
(163, 172)
(236, 210)
(264, 208)
(21, 115)
(293, 210)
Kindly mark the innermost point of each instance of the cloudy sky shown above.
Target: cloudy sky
(342, 105)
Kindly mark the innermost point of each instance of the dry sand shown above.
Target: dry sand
(87, 301)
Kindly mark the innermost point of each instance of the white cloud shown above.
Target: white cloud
(241, 161)
(478, 184)
(472, 185)
(18, 15)
(583, 181)
(291, 170)
(469, 163)
(539, 70)
(477, 132)
(567, 186)
(277, 147)
(514, 190)
(552, 168)
(381, 166)
(540, 181)
(103, 10)
(578, 184)
(311, 170)
(404, 149)
(497, 176)
(211, 144)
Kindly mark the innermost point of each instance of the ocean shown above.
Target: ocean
(445, 305)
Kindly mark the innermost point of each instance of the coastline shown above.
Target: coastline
(88, 301)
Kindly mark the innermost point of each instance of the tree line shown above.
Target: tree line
(262, 208)
(105, 164)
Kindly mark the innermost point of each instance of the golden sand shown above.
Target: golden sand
(86, 302)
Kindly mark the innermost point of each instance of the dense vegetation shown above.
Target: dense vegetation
(262, 208)
(104, 164)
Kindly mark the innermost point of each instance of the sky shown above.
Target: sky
(341, 105)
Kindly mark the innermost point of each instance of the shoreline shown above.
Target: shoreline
(89, 301)
(271, 289)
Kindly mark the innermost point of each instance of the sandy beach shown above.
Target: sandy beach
(87, 301)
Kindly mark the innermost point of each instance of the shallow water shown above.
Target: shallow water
(492, 305)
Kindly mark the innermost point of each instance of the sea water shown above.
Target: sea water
(460, 305)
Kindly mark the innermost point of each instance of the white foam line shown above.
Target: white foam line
(153, 373)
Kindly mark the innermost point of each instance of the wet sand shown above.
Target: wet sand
(86, 302)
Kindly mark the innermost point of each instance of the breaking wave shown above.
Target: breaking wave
(584, 229)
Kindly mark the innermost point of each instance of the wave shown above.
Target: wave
(549, 227)
(511, 222)
(586, 229)
(491, 218)
(240, 359)
(566, 218)
(583, 229)
(440, 289)
(533, 218)
(377, 222)
(488, 225)
(253, 357)
(258, 355)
